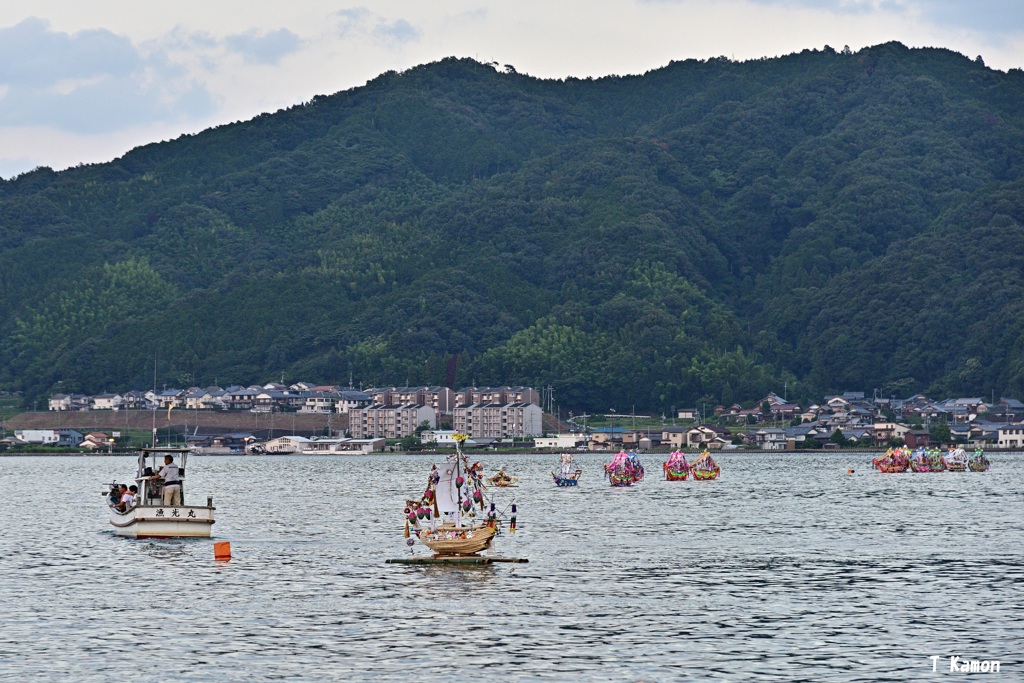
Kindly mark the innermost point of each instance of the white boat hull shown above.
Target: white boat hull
(158, 521)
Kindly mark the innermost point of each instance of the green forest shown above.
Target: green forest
(708, 231)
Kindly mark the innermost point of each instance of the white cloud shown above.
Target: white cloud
(264, 48)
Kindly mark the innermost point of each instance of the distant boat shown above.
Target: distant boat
(569, 472)
(148, 517)
(676, 468)
(705, 468)
(501, 479)
(956, 460)
(978, 462)
(624, 469)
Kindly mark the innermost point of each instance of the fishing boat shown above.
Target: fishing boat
(624, 469)
(569, 472)
(445, 517)
(978, 462)
(148, 517)
(501, 479)
(676, 468)
(956, 460)
(705, 468)
(893, 461)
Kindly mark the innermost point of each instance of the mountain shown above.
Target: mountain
(709, 231)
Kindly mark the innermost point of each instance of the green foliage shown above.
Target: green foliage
(710, 230)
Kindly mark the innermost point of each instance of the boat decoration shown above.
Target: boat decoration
(978, 462)
(920, 461)
(705, 468)
(453, 517)
(936, 460)
(147, 516)
(569, 472)
(676, 468)
(624, 469)
(501, 479)
(894, 460)
(956, 460)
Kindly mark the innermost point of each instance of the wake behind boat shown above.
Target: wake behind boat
(148, 516)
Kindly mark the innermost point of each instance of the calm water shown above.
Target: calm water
(786, 568)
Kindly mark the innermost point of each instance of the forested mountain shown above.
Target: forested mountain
(710, 230)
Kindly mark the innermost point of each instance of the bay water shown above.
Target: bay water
(787, 568)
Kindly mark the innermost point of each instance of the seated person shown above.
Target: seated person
(128, 499)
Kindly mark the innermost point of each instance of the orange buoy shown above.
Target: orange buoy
(849, 471)
(222, 550)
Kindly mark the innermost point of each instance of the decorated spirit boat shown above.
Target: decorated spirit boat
(893, 461)
(676, 468)
(569, 472)
(445, 517)
(624, 469)
(978, 462)
(920, 462)
(501, 479)
(705, 468)
(148, 517)
(936, 460)
(956, 460)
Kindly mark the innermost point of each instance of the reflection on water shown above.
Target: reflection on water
(786, 568)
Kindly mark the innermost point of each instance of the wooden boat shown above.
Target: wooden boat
(624, 469)
(705, 468)
(956, 460)
(978, 462)
(444, 518)
(149, 517)
(569, 472)
(893, 461)
(501, 479)
(920, 462)
(676, 468)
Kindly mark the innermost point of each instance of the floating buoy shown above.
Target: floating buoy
(222, 550)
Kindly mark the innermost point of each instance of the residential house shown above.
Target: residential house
(70, 438)
(46, 437)
(60, 402)
(885, 432)
(770, 439)
(1010, 436)
(97, 441)
(917, 438)
(134, 400)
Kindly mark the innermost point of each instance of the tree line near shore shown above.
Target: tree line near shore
(708, 231)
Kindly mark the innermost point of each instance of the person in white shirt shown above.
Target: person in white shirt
(128, 499)
(172, 482)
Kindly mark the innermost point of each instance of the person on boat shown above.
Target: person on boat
(117, 498)
(128, 498)
(172, 481)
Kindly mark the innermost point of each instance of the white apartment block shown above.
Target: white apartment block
(389, 422)
(499, 420)
(1010, 436)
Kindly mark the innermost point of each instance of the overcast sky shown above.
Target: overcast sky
(86, 81)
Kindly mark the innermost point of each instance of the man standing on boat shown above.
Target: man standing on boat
(172, 482)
